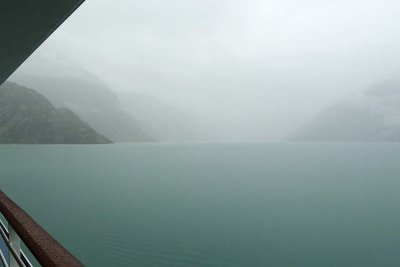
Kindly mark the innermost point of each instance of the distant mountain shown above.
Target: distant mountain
(165, 122)
(374, 117)
(29, 118)
(69, 85)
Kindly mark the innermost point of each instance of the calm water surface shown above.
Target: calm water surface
(213, 205)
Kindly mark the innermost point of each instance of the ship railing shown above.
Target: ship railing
(11, 253)
(22, 228)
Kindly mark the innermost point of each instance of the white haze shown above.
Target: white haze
(254, 70)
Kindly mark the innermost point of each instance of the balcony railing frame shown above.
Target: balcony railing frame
(13, 243)
(21, 227)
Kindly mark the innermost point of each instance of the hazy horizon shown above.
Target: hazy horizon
(255, 70)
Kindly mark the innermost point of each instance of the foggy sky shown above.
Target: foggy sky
(258, 69)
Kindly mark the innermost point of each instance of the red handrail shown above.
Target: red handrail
(47, 251)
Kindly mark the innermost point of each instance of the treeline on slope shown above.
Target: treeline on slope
(29, 118)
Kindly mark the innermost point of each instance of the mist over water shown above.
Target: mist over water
(238, 70)
(213, 205)
(227, 132)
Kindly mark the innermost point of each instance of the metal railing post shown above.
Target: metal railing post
(15, 242)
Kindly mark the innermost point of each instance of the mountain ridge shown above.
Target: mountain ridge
(373, 117)
(27, 117)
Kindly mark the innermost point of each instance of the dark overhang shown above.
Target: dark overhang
(24, 25)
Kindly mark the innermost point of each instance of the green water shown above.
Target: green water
(213, 205)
